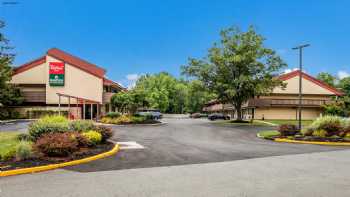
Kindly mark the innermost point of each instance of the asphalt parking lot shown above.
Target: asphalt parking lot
(192, 141)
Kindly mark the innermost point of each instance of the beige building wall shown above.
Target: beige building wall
(308, 88)
(35, 75)
(76, 83)
(285, 113)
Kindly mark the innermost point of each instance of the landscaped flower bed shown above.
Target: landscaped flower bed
(53, 139)
(119, 119)
(323, 129)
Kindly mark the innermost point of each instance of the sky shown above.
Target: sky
(131, 38)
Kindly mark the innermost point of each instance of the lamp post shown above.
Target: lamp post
(300, 48)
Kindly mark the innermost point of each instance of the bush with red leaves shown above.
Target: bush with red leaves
(57, 144)
(106, 132)
(288, 129)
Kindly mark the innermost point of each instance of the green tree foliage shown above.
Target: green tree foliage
(327, 78)
(344, 85)
(238, 68)
(197, 96)
(9, 95)
(164, 92)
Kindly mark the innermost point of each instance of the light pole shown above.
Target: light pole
(300, 48)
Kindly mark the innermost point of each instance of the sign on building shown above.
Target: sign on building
(56, 73)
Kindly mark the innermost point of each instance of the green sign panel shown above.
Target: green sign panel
(56, 79)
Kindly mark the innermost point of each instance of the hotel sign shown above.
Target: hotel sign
(56, 73)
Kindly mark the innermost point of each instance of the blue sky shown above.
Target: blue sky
(130, 38)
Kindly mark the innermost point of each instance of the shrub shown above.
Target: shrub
(48, 124)
(138, 120)
(93, 137)
(320, 133)
(24, 150)
(56, 144)
(113, 115)
(9, 154)
(124, 119)
(332, 124)
(24, 137)
(81, 125)
(106, 132)
(307, 131)
(81, 140)
(288, 129)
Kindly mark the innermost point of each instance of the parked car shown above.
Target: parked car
(198, 115)
(217, 116)
(155, 114)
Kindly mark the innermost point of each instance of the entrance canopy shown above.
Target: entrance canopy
(79, 100)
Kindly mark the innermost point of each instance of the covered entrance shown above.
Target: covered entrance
(80, 108)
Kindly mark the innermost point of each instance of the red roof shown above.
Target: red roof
(77, 62)
(109, 82)
(322, 84)
(29, 65)
(67, 58)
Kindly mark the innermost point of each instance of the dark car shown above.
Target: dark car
(217, 116)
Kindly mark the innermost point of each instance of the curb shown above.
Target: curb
(268, 123)
(313, 142)
(134, 125)
(59, 165)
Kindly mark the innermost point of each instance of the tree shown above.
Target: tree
(327, 78)
(120, 100)
(197, 96)
(9, 94)
(344, 85)
(238, 68)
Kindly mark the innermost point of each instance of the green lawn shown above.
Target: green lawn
(279, 122)
(268, 134)
(8, 143)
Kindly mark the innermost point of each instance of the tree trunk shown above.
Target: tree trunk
(239, 112)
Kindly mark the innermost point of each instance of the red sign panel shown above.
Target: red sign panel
(56, 68)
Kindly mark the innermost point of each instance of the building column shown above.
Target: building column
(84, 109)
(68, 107)
(59, 105)
(91, 111)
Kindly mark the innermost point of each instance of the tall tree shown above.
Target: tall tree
(344, 85)
(197, 96)
(327, 78)
(9, 95)
(238, 68)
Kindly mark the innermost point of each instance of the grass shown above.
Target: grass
(230, 122)
(8, 142)
(279, 122)
(269, 134)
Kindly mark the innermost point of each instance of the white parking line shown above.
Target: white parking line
(130, 145)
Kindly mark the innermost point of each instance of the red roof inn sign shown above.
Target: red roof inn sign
(56, 74)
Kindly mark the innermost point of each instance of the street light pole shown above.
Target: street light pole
(300, 48)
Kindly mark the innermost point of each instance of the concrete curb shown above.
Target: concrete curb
(268, 123)
(315, 143)
(133, 125)
(59, 165)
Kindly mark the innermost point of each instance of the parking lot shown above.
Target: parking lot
(192, 141)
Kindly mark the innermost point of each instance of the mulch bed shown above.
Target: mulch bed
(82, 153)
(316, 139)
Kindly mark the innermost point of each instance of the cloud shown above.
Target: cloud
(131, 80)
(342, 74)
(132, 77)
(288, 70)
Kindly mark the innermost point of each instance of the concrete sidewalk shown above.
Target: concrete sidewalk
(313, 174)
